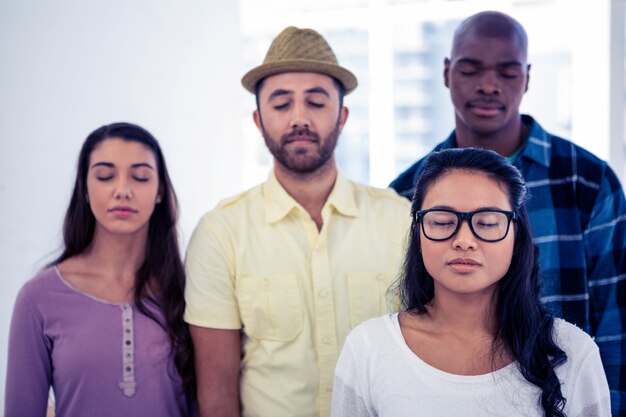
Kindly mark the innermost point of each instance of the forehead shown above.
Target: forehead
(297, 82)
(121, 151)
(489, 49)
(465, 190)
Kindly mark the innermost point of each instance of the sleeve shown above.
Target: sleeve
(350, 387)
(590, 393)
(29, 368)
(210, 292)
(605, 245)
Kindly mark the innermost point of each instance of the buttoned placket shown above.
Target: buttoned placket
(128, 384)
(326, 343)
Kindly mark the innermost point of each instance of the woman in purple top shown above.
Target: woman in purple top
(103, 324)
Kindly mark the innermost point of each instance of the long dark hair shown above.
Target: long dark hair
(524, 326)
(162, 268)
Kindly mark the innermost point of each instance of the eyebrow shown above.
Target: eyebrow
(278, 93)
(112, 165)
(442, 207)
(283, 92)
(318, 90)
(476, 62)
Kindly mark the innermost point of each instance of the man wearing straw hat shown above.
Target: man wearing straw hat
(278, 275)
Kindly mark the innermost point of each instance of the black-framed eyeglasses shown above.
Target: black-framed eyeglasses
(488, 225)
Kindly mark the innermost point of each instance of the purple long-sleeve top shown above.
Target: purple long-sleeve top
(101, 359)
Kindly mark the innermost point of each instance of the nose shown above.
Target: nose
(300, 116)
(464, 239)
(122, 190)
(488, 83)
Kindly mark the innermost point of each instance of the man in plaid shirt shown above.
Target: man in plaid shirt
(577, 206)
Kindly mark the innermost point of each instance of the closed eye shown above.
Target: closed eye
(281, 106)
(508, 75)
(441, 224)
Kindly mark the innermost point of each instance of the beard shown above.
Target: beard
(302, 159)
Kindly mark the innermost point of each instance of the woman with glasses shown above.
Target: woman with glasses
(473, 338)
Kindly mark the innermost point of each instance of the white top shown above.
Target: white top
(378, 375)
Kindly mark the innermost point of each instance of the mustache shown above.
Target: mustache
(299, 134)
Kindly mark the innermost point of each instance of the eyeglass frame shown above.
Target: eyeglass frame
(462, 216)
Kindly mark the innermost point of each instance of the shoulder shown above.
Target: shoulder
(41, 284)
(573, 340)
(566, 149)
(585, 168)
(564, 154)
(367, 194)
(38, 294)
(373, 330)
(232, 208)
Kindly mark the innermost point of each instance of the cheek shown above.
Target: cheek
(431, 256)
(149, 196)
(458, 93)
(501, 258)
(96, 194)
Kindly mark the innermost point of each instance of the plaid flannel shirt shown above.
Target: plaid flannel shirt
(578, 215)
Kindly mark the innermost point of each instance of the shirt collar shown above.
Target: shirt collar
(278, 203)
(538, 144)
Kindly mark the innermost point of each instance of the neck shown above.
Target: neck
(310, 190)
(117, 256)
(504, 141)
(463, 314)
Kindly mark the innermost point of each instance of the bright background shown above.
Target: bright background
(70, 66)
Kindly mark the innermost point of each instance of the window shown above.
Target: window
(396, 48)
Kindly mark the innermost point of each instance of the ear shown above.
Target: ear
(446, 72)
(343, 117)
(256, 116)
(527, 77)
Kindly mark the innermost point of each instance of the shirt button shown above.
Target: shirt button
(326, 340)
(323, 294)
(266, 282)
(329, 388)
(380, 277)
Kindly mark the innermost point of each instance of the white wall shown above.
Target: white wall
(70, 66)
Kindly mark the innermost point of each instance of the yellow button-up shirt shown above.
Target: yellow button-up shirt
(258, 263)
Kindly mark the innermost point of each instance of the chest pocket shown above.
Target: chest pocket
(370, 296)
(270, 306)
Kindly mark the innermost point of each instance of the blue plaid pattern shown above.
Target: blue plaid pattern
(578, 214)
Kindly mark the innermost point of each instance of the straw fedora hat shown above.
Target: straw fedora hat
(299, 50)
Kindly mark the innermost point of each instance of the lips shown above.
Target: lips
(464, 265)
(122, 211)
(485, 108)
(301, 139)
